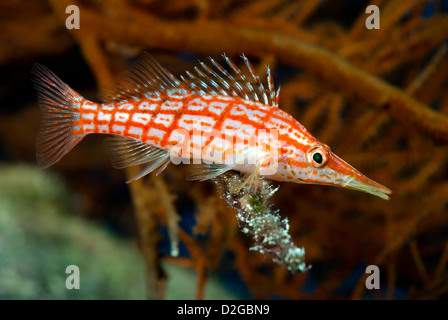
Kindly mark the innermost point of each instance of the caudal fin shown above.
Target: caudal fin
(59, 106)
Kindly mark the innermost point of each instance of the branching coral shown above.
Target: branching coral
(256, 218)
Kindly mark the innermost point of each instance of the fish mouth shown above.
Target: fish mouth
(369, 186)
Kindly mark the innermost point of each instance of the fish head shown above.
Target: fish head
(315, 163)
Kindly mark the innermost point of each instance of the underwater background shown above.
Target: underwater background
(379, 98)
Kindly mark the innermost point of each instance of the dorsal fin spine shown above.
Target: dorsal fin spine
(160, 72)
(146, 78)
(239, 87)
(250, 68)
(199, 72)
(221, 69)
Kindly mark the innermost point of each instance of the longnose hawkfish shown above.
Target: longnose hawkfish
(150, 113)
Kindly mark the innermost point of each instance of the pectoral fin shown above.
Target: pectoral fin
(251, 178)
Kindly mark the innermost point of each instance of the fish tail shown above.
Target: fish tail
(59, 106)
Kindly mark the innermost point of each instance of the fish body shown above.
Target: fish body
(217, 120)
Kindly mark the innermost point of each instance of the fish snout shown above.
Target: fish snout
(353, 179)
(367, 185)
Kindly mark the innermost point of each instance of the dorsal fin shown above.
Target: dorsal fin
(215, 79)
(145, 78)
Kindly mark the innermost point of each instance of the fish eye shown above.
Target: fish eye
(318, 156)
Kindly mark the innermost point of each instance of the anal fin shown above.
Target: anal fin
(126, 152)
(204, 171)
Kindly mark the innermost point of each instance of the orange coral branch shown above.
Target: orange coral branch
(171, 214)
(155, 276)
(418, 260)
